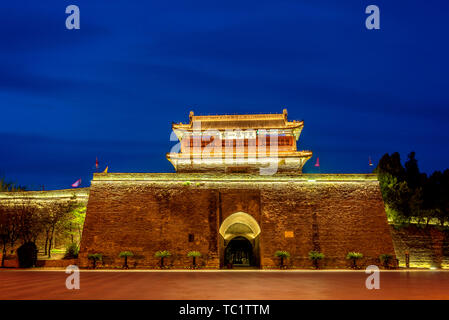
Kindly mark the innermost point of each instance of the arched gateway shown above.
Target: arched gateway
(240, 241)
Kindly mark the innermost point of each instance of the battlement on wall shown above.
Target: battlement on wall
(81, 195)
(237, 177)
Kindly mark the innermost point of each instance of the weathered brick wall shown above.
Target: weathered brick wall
(427, 247)
(329, 217)
(63, 263)
(145, 213)
(145, 218)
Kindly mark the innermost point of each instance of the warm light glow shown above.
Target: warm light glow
(242, 218)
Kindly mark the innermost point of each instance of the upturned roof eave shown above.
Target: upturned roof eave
(189, 127)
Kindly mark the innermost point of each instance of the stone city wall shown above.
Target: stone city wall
(145, 213)
(332, 214)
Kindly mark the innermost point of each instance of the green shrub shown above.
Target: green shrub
(125, 254)
(354, 256)
(315, 257)
(71, 251)
(282, 255)
(187, 183)
(194, 255)
(95, 257)
(386, 258)
(162, 255)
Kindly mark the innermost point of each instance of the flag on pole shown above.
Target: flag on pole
(96, 163)
(317, 164)
(77, 183)
(370, 162)
(105, 170)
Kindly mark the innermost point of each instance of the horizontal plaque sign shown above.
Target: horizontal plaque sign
(288, 234)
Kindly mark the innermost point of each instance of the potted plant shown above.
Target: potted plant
(125, 254)
(386, 258)
(162, 255)
(354, 256)
(315, 257)
(194, 255)
(282, 255)
(95, 257)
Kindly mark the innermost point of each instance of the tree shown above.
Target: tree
(391, 165)
(10, 186)
(8, 230)
(19, 221)
(411, 196)
(282, 255)
(29, 221)
(55, 217)
(436, 200)
(194, 255)
(412, 174)
(125, 254)
(396, 196)
(162, 255)
(315, 257)
(72, 226)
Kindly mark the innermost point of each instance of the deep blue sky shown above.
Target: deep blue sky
(112, 88)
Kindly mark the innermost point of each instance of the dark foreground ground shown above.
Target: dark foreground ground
(285, 285)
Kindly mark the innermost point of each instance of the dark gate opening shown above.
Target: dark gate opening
(239, 253)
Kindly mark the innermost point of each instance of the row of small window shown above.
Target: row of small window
(282, 141)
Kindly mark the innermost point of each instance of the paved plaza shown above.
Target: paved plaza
(235, 285)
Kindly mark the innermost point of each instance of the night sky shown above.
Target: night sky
(112, 89)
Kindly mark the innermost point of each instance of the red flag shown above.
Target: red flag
(370, 162)
(77, 183)
(317, 164)
(96, 163)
